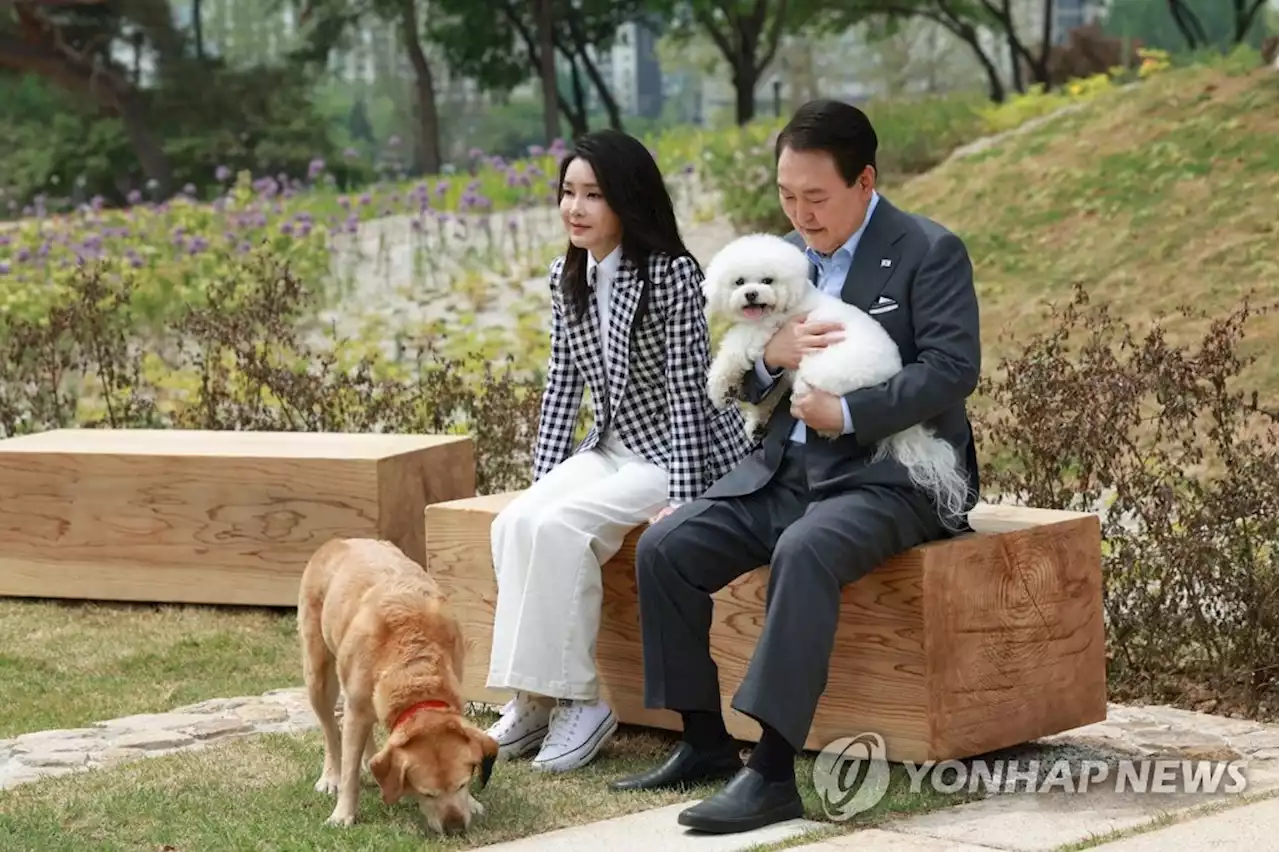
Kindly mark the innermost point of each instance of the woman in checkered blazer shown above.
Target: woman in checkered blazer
(629, 327)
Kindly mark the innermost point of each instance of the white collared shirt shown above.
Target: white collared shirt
(604, 271)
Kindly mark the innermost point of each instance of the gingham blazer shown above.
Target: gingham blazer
(653, 391)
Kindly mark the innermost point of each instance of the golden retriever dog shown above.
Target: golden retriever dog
(374, 623)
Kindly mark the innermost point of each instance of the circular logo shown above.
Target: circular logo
(851, 775)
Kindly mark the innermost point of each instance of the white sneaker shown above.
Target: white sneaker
(523, 726)
(578, 730)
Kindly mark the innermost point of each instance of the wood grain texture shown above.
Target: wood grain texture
(1013, 617)
(207, 517)
(918, 641)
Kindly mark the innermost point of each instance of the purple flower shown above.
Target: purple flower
(536, 150)
(315, 168)
(189, 189)
(4, 267)
(286, 228)
(351, 153)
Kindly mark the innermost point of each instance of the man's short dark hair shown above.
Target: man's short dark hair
(840, 129)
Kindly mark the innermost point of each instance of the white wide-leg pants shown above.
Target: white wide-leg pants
(548, 546)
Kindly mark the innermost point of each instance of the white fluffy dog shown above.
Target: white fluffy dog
(760, 282)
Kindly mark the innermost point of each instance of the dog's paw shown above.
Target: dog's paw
(477, 809)
(721, 389)
(327, 784)
(340, 819)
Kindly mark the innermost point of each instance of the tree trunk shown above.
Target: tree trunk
(1188, 24)
(1246, 10)
(1040, 64)
(1011, 39)
(744, 88)
(151, 157)
(578, 118)
(425, 89)
(96, 80)
(547, 71)
(198, 28)
(593, 73)
(995, 86)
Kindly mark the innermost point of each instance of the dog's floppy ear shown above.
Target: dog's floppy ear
(388, 770)
(713, 288)
(488, 754)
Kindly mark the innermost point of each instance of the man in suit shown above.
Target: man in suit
(820, 512)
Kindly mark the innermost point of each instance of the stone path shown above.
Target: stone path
(1014, 822)
(29, 757)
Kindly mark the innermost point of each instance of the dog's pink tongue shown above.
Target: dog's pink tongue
(753, 311)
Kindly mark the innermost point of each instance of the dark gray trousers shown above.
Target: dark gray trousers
(813, 547)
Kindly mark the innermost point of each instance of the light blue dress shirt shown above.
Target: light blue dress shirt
(832, 271)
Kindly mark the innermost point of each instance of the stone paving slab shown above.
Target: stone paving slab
(879, 840)
(649, 831)
(1255, 827)
(1170, 731)
(29, 757)
(1022, 822)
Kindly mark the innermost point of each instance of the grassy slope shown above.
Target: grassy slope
(1152, 196)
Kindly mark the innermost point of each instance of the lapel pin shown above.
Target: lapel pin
(884, 262)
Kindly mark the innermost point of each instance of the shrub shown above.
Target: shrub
(738, 163)
(915, 134)
(1092, 415)
(1089, 51)
(234, 359)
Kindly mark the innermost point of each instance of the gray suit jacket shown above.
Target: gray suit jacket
(924, 297)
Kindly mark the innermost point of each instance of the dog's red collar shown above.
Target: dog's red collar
(432, 704)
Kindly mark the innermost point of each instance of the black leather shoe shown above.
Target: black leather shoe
(684, 765)
(746, 803)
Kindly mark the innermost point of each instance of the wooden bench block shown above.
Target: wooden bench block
(948, 651)
(193, 516)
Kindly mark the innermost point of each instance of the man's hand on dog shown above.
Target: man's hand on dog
(821, 411)
(797, 338)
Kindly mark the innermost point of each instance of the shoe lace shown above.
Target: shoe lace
(565, 716)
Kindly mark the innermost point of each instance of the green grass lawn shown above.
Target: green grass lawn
(256, 793)
(69, 664)
(66, 665)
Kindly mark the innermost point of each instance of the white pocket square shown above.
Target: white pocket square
(883, 305)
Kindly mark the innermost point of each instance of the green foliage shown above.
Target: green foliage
(61, 151)
(1184, 461)
(739, 163)
(915, 134)
(1151, 22)
(234, 357)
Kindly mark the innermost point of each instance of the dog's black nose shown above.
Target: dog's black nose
(751, 296)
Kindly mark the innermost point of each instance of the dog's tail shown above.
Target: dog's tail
(933, 466)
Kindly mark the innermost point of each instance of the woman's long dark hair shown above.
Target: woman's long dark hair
(633, 188)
